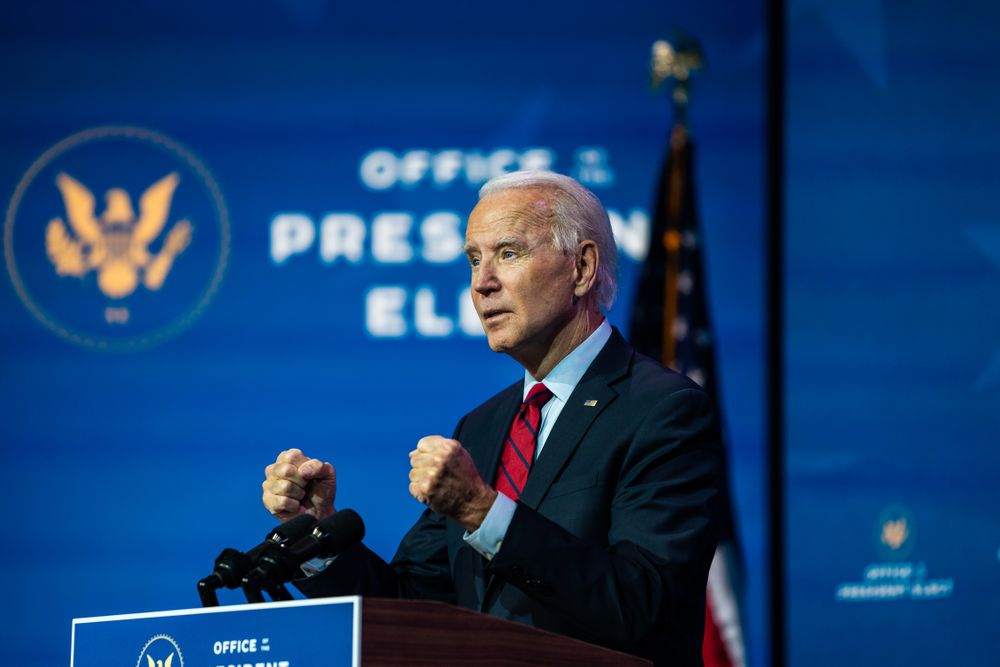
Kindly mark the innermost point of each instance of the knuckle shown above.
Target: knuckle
(285, 488)
(289, 455)
(274, 504)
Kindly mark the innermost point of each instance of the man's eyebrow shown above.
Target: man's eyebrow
(509, 241)
(505, 242)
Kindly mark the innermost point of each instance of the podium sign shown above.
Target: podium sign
(299, 633)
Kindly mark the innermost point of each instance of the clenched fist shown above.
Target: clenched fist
(296, 484)
(444, 477)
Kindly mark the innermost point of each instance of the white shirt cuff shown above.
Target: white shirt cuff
(315, 565)
(488, 538)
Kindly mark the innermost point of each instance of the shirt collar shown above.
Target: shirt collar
(562, 379)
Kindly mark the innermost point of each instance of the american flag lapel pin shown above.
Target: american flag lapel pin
(590, 404)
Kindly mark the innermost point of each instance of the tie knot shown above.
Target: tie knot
(538, 396)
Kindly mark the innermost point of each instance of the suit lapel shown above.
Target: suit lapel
(487, 459)
(487, 455)
(591, 397)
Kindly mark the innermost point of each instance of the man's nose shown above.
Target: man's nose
(484, 280)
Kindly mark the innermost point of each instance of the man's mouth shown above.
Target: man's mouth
(491, 313)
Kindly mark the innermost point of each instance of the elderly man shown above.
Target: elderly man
(582, 499)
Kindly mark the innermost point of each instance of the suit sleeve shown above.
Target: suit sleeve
(663, 530)
(419, 570)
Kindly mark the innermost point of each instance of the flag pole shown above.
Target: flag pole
(675, 65)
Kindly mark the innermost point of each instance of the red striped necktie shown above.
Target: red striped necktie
(519, 449)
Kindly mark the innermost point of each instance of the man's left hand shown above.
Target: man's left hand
(444, 477)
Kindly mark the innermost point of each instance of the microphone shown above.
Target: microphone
(232, 565)
(329, 537)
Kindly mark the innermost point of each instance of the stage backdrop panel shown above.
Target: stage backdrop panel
(892, 381)
(233, 229)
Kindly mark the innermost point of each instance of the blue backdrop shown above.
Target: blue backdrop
(893, 334)
(319, 161)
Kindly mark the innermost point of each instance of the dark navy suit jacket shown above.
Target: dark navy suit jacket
(615, 531)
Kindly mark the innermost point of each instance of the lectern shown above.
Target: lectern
(330, 632)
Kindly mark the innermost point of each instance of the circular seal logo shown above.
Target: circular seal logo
(894, 532)
(161, 651)
(116, 238)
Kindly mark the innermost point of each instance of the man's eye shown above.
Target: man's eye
(508, 254)
(474, 261)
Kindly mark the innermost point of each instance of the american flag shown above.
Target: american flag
(670, 322)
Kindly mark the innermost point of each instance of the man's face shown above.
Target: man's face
(522, 285)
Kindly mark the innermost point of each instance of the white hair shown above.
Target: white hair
(578, 216)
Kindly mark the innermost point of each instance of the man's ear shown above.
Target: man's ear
(588, 258)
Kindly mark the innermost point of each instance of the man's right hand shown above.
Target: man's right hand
(295, 484)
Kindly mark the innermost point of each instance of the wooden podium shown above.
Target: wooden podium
(329, 632)
(410, 632)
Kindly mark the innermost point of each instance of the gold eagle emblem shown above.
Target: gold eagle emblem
(161, 663)
(116, 244)
(894, 533)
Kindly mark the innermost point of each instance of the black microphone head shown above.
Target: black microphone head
(231, 566)
(329, 537)
(292, 529)
(274, 545)
(340, 531)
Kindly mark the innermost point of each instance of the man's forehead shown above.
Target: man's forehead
(502, 231)
(530, 200)
(523, 212)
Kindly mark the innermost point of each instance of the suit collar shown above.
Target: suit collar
(566, 375)
(610, 365)
(591, 397)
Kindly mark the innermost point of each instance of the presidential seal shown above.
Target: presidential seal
(160, 651)
(116, 238)
(895, 530)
